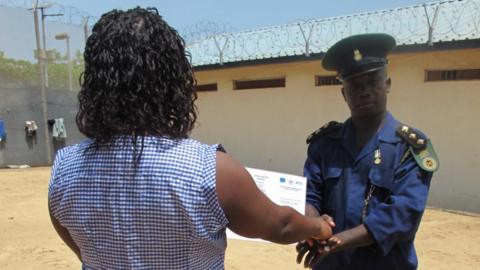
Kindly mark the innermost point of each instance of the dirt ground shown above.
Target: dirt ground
(446, 240)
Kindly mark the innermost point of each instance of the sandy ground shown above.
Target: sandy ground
(446, 240)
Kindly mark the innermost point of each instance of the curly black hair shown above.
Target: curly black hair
(137, 80)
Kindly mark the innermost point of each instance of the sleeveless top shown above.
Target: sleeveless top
(161, 212)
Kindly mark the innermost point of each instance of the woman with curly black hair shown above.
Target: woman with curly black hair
(137, 79)
(139, 193)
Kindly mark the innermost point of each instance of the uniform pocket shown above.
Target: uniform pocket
(381, 178)
(332, 173)
(331, 180)
(383, 182)
(332, 191)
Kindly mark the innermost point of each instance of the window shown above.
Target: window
(265, 83)
(206, 87)
(326, 80)
(452, 75)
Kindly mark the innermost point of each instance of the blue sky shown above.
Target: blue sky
(17, 36)
(243, 14)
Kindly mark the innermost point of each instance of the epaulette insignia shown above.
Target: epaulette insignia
(420, 147)
(325, 129)
(413, 138)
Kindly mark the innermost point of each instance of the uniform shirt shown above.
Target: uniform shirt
(160, 214)
(339, 179)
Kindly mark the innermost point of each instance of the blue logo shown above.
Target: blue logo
(282, 180)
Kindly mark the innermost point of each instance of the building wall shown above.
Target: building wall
(266, 128)
(19, 103)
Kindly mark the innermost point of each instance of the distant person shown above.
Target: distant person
(371, 174)
(139, 193)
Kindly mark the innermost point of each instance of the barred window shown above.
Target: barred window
(263, 83)
(326, 80)
(452, 75)
(206, 87)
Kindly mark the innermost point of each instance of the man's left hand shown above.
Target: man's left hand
(316, 250)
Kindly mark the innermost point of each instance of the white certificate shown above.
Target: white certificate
(283, 189)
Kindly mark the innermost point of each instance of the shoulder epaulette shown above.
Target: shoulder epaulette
(325, 129)
(420, 147)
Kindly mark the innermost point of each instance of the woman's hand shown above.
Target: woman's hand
(318, 246)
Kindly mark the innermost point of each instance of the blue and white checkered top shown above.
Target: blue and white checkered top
(162, 213)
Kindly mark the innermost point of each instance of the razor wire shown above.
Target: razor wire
(427, 23)
(204, 29)
(71, 15)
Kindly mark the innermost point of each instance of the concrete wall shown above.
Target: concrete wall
(19, 103)
(266, 128)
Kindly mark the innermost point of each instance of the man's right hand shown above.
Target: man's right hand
(317, 247)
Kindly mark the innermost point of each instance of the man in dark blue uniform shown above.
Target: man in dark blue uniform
(371, 174)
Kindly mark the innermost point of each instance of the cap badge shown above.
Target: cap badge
(357, 56)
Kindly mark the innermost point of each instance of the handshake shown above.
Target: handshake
(316, 249)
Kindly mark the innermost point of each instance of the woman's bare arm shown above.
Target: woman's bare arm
(252, 214)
